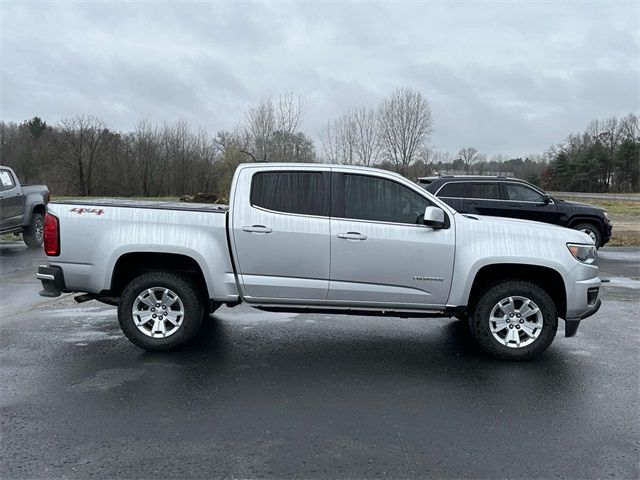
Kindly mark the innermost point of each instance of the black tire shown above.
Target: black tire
(481, 329)
(33, 234)
(184, 289)
(590, 228)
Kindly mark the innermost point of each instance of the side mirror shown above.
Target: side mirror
(434, 217)
(546, 198)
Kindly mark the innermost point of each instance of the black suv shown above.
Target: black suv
(510, 197)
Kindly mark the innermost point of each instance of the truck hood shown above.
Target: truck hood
(528, 228)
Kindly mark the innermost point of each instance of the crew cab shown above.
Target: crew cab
(514, 198)
(321, 238)
(22, 208)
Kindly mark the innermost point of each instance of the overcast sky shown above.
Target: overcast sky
(504, 77)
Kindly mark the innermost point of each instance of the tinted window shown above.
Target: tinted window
(453, 190)
(372, 198)
(522, 193)
(6, 180)
(485, 190)
(291, 192)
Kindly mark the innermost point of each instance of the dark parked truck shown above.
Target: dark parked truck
(321, 238)
(22, 208)
(513, 198)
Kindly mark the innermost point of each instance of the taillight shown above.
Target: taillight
(51, 235)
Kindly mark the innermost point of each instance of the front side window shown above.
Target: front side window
(523, 193)
(379, 199)
(485, 190)
(290, 192)
(6, 182)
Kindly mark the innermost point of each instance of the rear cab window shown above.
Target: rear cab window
(303, 193)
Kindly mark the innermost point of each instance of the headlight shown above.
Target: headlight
(583, 253)
(606, 215)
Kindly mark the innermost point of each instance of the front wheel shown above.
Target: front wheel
(33, 235)
(514, 320)
(160, 310)
(592, 231)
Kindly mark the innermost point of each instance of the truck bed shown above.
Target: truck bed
(150, 204)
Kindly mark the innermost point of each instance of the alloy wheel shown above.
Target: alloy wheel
(516, 321)
(158, 312)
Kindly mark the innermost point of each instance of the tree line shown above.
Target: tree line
(603, 158)
(82, 156)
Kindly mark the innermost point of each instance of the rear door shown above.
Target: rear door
(485, 198)
(11, 213)
(381, 252)
(280, 231)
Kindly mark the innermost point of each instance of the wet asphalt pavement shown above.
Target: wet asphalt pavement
(316, 396)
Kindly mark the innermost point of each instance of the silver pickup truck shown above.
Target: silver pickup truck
(321, 238)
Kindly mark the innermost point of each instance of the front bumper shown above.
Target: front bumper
(572, 324)
(582, 302)
(608, 230)
(52, 279)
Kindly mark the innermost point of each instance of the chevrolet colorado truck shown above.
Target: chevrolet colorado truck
(22, 208)
(321, 238)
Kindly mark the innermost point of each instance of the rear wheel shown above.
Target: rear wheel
(160, 310)
(33, 235)
(514, 320)
(591, 230)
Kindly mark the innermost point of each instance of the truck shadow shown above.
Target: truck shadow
(336, 348)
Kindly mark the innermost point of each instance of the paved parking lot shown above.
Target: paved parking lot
(282, 395)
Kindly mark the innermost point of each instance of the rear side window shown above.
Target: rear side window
(291, 192)
(484, 190)
(6, 180)
(453, 190)
(522, 193)
(379, 199)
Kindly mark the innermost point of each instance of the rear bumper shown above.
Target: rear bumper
(52, 279)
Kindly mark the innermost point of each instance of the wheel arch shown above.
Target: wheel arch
(545, 277)
(586, 219)
(35, 208)
(131, 264)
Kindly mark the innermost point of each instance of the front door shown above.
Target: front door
(11, 214)
(281, 237)
(381, 252)
(524, 202)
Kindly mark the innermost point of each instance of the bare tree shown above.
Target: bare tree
(83, 139)
(261, 123)
(330, 141)
(288, 108)
(406, 125)
(367, 144)
(272, 124)
(352, 138)
(146, 153)
(469, 156)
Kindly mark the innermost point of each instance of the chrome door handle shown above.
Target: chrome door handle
(352, 236)
(257, 229)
